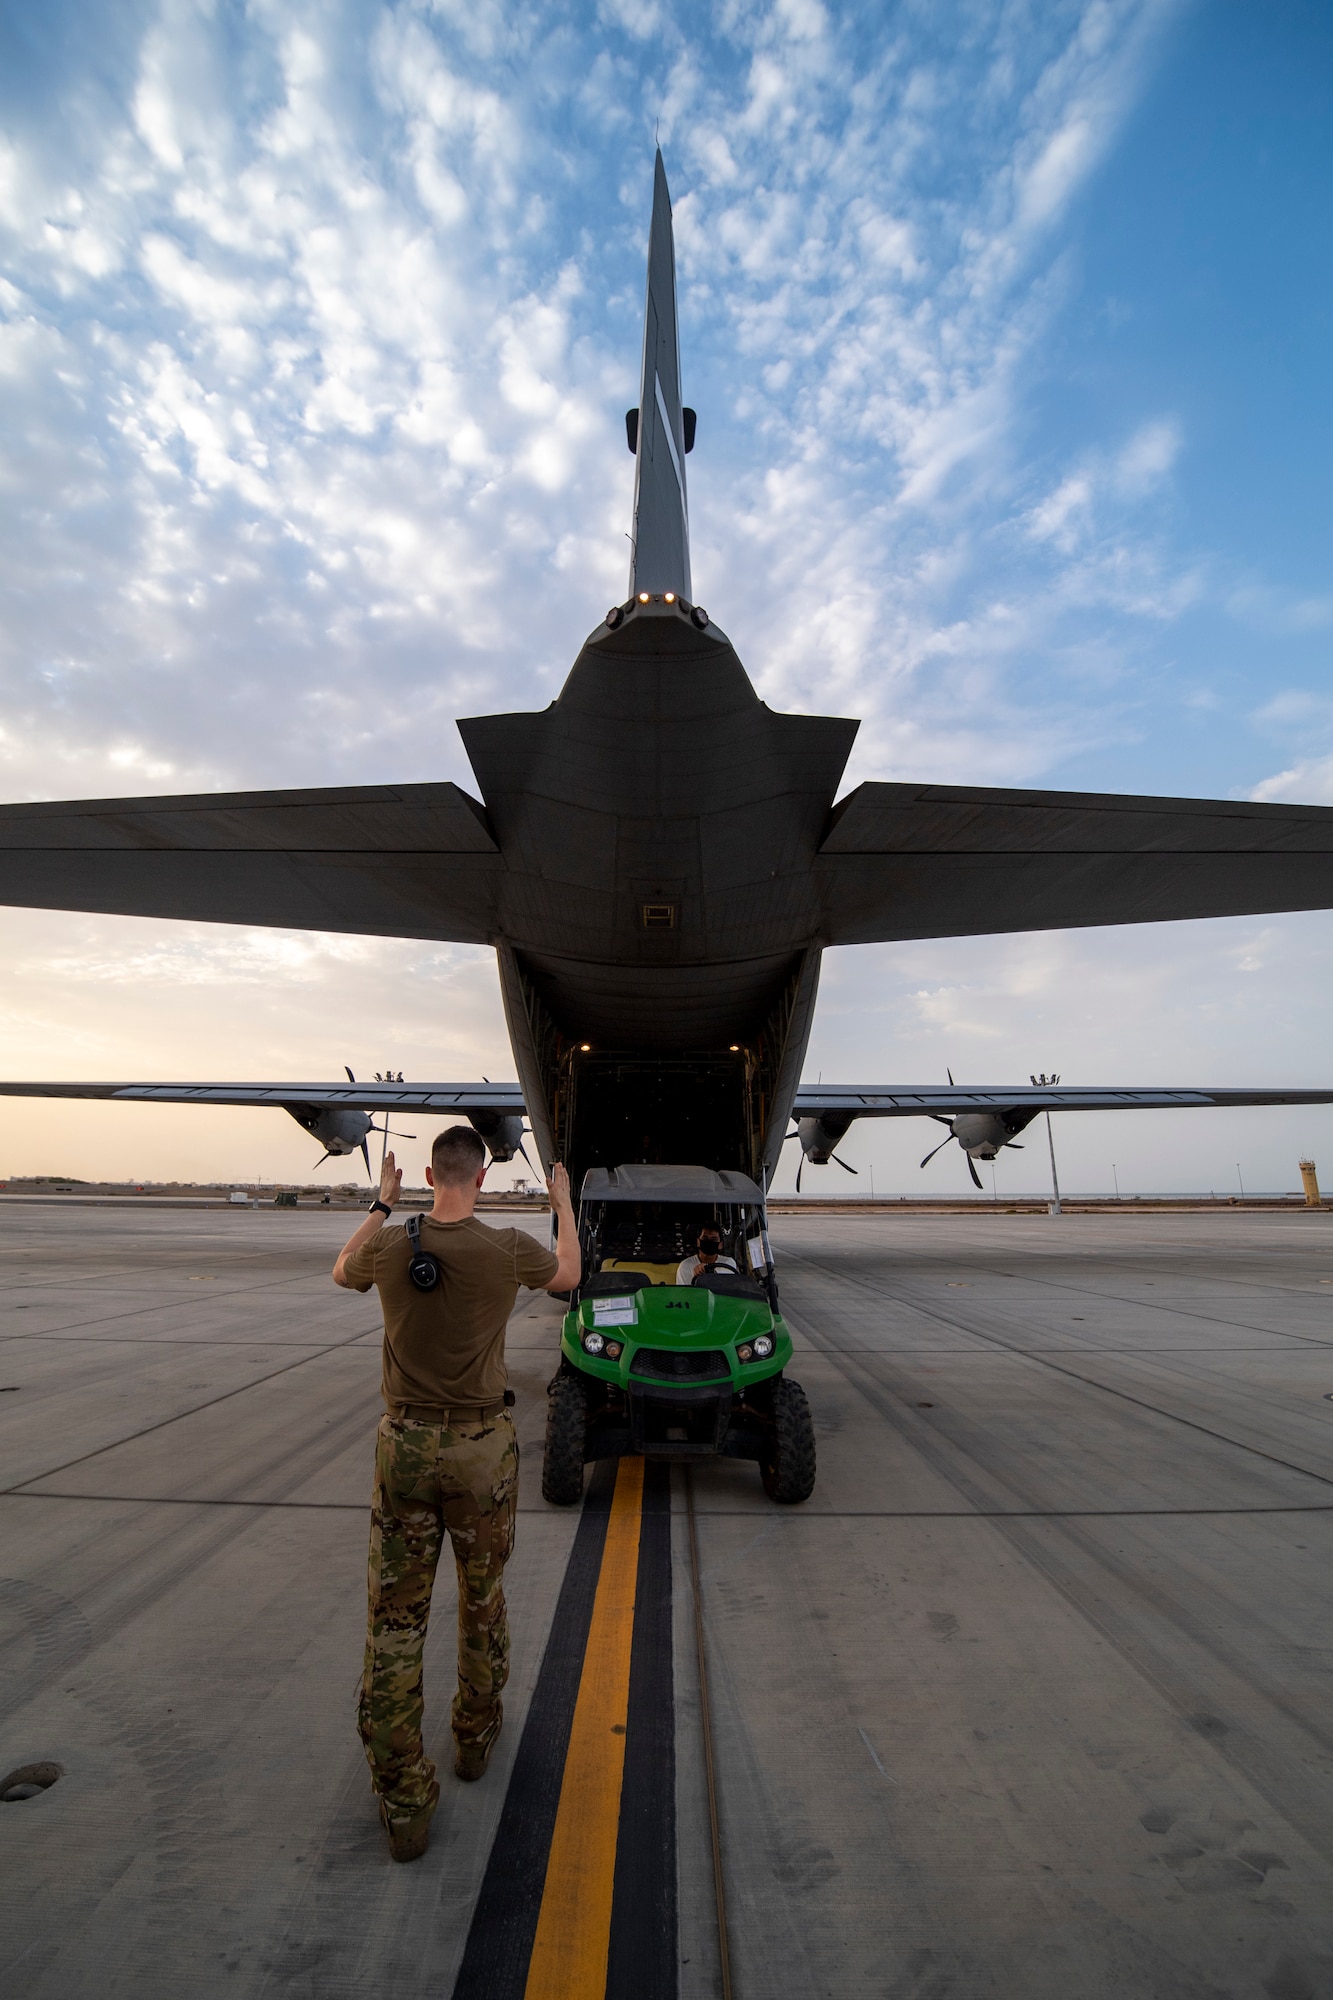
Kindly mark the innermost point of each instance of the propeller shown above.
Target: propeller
(385, 1134)
(795, 1133)
(938, 1149)
(972, 1169)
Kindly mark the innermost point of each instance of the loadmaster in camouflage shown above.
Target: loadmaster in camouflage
(431, 1478)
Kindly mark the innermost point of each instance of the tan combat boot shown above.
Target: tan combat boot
(472, 1753)
(471, 1759)
(410, 1837)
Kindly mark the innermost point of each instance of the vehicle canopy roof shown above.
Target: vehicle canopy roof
(650, 1183)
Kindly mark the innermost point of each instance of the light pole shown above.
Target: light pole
(1055, 1178)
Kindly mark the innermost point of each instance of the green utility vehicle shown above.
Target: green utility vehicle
(670, 1370)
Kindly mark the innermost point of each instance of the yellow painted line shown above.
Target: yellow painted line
(574, 1925)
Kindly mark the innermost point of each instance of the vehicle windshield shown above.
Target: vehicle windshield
(656, 1236)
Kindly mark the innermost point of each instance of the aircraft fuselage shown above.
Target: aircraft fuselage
(658, 916)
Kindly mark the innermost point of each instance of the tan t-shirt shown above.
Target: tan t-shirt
(446, 1347)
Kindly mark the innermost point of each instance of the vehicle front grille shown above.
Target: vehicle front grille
(661, 1364)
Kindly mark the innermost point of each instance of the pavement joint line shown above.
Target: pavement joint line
(72, 1334)
(1138, 1402)
(794, 1519)
(1029, 1353)
(142, 1312)
(1077, 1582)
(115, 1274)
(1292, 1287)
(1051, 1284)
(54, 1471)
(69, 1335)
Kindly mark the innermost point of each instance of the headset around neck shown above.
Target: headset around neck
(423, 1269)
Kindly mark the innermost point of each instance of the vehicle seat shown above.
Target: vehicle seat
(650, 1269)
(609, 1284)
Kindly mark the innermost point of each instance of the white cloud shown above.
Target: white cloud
(316, 349)
(1147, 458)
(1062, 515)
(1308, 783)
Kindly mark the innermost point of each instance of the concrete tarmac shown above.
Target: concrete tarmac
(1030, 1700)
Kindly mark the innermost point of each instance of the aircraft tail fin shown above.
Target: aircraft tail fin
(661, 539)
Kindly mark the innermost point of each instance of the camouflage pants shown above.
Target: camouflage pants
(430, 1479)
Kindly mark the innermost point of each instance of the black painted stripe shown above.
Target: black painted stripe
(643, 1957)
(504, 1922)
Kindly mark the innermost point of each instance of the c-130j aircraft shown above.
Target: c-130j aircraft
(659, 860)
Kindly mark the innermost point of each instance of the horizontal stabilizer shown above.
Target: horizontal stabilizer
(312, 860)
(915, 861)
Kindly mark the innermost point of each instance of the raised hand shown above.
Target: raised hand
(391, 1181)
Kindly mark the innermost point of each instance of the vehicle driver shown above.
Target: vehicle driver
(708, 1257)
(446, 1461)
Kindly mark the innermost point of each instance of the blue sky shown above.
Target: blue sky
(1008, 326)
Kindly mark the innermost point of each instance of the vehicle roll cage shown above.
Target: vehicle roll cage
(647, 1228)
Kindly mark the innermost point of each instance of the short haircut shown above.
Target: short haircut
(457, 1156)
(710, 1233)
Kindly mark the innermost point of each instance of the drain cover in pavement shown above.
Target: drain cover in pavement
(27, 1782)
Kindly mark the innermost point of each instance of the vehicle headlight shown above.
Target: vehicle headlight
(613, 1350)
(594, 1342)
(763, 1346)
(745, 1352)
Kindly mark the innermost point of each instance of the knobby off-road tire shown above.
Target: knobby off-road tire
(788, 1468)
(566, 1430)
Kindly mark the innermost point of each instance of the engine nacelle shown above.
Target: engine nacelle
(338, 1130)
(982, 1134)
(818, 1136)
(502, 1135)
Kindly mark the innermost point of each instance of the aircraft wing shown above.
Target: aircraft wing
(504, 1099)
(946, 1101)
(312, 860)
(812, 1100)
(916, 861)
